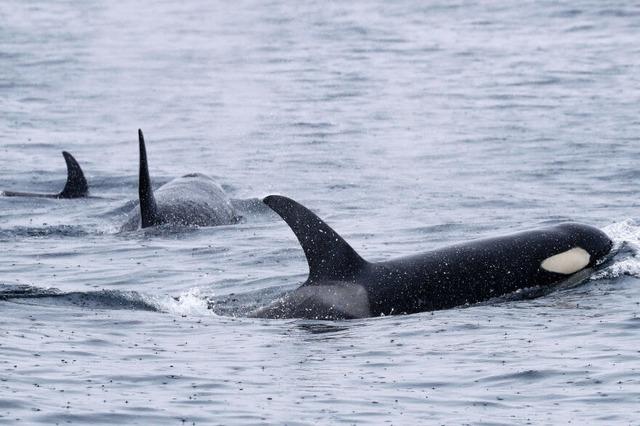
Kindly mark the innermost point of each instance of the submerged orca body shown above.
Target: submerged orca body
(342, 284)
(191, 200)
(76, 186)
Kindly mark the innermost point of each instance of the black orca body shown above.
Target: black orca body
(191, 200)
(76, 186)
(342, 284)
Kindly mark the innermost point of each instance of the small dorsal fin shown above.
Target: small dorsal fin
(148, 207)
(329, 256)
(76, 185)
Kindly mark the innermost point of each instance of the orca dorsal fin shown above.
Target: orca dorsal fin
(76, 186)
(148, 207)
(329, 256)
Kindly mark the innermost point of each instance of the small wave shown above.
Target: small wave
(46, 231)
(520, 376)
(102, 299)
(190, 303)
(8, 291)
(619, 13)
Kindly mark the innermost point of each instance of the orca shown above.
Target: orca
(342, 285)
(76, 186)
(192, 200)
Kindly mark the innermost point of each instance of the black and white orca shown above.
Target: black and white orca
(76, 186)
(342, 285)
(191, 200)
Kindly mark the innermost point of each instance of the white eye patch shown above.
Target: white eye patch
(567, 262)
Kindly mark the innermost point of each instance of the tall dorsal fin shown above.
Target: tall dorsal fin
(329, 256)
(148, 207)
(76, 185)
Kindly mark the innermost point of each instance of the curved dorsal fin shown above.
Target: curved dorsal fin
(76, 185)
(329, 256)
(148, 207)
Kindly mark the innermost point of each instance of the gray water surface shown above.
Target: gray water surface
(406, 125)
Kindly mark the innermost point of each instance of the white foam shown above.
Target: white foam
(191, 303)
(627, 232)
(629, 266)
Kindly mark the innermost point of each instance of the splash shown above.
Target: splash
(191, 303)
(626, 237)
(627, 230)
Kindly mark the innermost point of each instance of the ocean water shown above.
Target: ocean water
(406, 125)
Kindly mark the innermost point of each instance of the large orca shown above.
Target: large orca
(191, 200)
(342, 285)
(76, 186)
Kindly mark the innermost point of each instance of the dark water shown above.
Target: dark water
(406, 125)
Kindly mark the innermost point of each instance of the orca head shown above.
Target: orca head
(590, 246)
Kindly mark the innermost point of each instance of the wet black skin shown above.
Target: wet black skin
(343, 285)
(76, 186)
